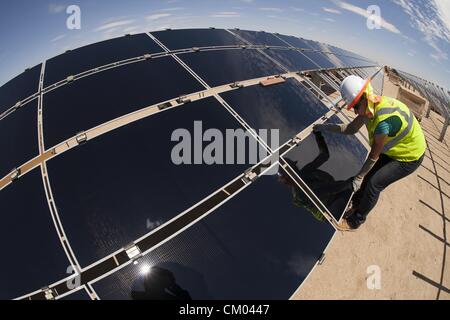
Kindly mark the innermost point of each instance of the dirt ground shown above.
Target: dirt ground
(406, 236)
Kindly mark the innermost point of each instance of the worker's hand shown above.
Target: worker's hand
(320, 128)
(356, 183)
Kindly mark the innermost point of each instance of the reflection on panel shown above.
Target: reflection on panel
(18, 138)
(296, 42)
(319, 58)
(96, 55)
(326, 162)
(33, 254)
(288, 107)
(19, 88)
(258, 245)
(222, 67)
(99, 98)
(122, 185)
(260, 38)
(291, 59)
(189, 38)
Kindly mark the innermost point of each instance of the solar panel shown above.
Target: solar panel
(18, 138)
(320, 59)
(19, 88)
(101, 97)
(296, 42)
(288, 107)
(96, 55)
(32, 253)
(222, 67)
(326, 163)
(252, 247)
(260, 38)
(122, 185)
(292, 60)
(189, 38)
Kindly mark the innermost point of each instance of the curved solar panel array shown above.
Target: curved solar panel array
(438, 96)
(95, 202)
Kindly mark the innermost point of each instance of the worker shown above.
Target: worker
(396, 139)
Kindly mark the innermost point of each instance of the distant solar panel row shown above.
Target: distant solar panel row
(124, 184)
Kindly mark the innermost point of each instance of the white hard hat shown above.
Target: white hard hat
(352, 89)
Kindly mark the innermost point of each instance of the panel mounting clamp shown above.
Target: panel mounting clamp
(48, 293)
(165, 105)
(133, 252)
(250, 176)
(296, 140)
(236, 85)
(81, 137)
(15, 174)
(183, 99)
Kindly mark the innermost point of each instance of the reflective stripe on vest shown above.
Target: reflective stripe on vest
(408, 117)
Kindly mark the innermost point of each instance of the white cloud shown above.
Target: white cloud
(248, 1)
(60, 37)
(225, 14)
(157, 16)
(330, 20)
(330, 10)
(363, 13)
(433, 23)
(131, 29)
(271, 9)
(296, 9)
(54, 8)
(114, 25)
(443, 8)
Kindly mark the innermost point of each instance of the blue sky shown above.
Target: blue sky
(414, 34)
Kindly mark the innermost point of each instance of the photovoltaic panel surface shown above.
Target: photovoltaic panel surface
(326, 162)
(18, 138)
(19, 88)
(122, 185)
(291, 59)
(222, 67)
(296, 42)
(98, 54)
(189, 38)
(258, 245)
(260, 38)
(96, 99)
(33, 254)
(321, 59)
(288, 107)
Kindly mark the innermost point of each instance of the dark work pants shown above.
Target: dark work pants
(385, 172)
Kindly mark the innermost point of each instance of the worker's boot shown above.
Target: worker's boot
(349, 224)
(350, 211)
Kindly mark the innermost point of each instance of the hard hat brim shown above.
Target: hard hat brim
(359, 95)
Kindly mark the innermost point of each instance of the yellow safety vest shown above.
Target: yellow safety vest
(409, 142)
